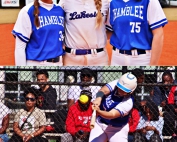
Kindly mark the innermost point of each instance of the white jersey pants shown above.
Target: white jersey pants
(44, 63)
(103, 133)
(130, 60)
(96, 59)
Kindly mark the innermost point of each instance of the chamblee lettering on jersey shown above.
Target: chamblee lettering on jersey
(51, 20)
(136, 11)
(82, 14)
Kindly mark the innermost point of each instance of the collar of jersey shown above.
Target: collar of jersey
(46, 5)
(125, 0)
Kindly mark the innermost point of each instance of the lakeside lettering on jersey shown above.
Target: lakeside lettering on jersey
(49, 20)
(81, 15)
(136, 11)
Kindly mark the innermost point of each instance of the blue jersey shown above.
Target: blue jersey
(132, 22)
(43, 42)
(121, 104)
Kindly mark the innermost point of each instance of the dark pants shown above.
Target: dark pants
(17, 138)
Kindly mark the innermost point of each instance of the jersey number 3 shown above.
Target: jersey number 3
(61, 38)
(135, 27)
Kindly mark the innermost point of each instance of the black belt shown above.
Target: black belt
(129, 52)
(82, 51)
(54, 60)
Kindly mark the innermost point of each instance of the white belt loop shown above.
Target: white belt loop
(134, 52)
(73, 51)
(117, 51)
(93, 51)
(148, 52)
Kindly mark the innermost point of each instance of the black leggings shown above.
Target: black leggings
(17, 138)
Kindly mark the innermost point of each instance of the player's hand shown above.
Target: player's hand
(97, 101)
(95, 107)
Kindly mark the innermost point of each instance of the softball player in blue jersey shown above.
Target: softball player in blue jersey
(137, 27)
(113, 105)
(39, 34)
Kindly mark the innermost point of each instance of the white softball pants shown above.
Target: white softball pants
(130, 60)
(103, 133)
(97, 59)
(44, 63)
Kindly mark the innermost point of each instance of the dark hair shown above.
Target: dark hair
(87, 71)
(86, 92)
(167, 72)
(32, 90)
(137, 72)
(42, 71)
(153, 110)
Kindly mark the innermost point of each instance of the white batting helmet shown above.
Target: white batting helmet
(127, 82)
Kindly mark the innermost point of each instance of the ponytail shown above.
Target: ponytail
(98, 4)
(36, 13)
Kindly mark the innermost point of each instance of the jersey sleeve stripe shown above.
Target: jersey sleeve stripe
(20, 36)
(110, 88)
(159, 24)
(121, 113)
(109, 28)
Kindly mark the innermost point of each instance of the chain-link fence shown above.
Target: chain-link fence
(65, 87)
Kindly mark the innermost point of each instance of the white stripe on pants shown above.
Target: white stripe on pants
(103, 133)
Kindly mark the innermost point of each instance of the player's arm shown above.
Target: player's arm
(103, 91)
(109, 114)
(120, 110)
(20, 54)
(22, 31)
(157, 44)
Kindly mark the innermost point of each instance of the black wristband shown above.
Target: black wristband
(99, 94)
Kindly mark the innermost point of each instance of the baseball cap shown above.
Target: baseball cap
(127, 82)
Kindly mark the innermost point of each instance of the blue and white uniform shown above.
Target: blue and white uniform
(132, 23)
(39, 45)
(113, 129)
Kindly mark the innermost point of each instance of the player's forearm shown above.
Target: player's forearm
(157, 45)
(108, 114)
(20, 54)
(105, 90)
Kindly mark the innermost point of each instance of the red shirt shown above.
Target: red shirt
(171, 97)
(134, 120)
(78, 120)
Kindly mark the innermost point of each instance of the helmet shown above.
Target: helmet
(127, 82)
